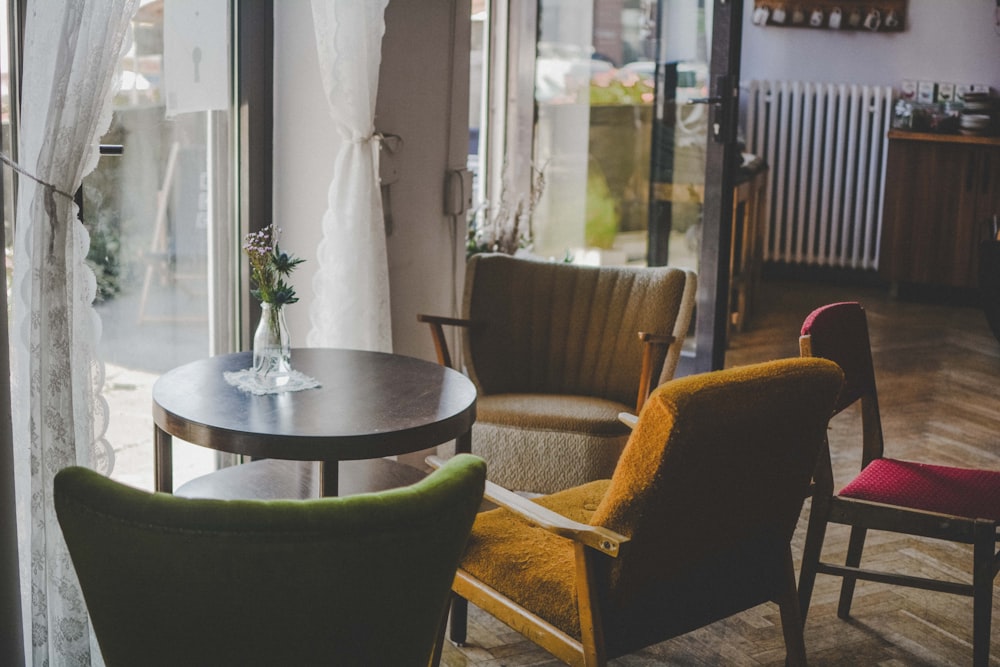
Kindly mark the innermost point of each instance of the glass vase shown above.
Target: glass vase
(272, 354)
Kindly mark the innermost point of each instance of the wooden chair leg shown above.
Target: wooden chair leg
(854, 548)
(791, 618)
(982, 596)
(811, 552)
(458, 621)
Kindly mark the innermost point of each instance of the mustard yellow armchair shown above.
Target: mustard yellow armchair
(557, 351)
(694, 526)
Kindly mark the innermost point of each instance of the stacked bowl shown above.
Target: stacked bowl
(979, 115)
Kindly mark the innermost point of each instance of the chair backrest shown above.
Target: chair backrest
(839, 332)
(357, 580)
(709, 489)
(558, 328)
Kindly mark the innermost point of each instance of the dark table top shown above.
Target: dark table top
(369, 404)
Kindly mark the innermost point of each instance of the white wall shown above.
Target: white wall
(416, 99)
(304, 143)
(954, 41)
(424, 98)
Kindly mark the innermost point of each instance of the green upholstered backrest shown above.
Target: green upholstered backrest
(558, 328)
(710, 486)
(360, 580)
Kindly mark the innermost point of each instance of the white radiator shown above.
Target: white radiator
(825, 145)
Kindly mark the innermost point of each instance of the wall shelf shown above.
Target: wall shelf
(854, 15)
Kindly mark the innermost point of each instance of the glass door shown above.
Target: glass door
(695, 157)
(633, 131)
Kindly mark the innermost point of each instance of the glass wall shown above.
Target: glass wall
(160, 215)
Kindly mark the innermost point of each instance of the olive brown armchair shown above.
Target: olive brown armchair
(557, 351)
(694, 526)
(361, 580)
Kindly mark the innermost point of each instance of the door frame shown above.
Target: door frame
(721, 159)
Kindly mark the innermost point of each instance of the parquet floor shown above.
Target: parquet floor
(938, 371)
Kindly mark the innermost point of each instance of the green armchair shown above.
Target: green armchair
(361, 580)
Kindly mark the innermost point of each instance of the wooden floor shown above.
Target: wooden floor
(938, 372)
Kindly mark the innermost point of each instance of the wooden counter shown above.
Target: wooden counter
(942, 192)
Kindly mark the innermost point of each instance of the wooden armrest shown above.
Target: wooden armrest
(628, 419)
(654, 353)
(437, 324)
(602, 539)
(450, 321)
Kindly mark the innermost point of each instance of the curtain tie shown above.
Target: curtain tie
(50, 196)
(50, 189)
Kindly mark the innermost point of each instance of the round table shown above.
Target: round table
(369, 405)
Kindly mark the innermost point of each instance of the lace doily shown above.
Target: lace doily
(248, 381)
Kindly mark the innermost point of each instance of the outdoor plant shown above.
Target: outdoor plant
(506, 225)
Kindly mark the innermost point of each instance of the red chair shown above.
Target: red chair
(957, 504)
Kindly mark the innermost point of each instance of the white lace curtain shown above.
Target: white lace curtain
(350, 306)
(72, 50)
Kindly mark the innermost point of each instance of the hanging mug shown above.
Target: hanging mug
(854, 18)
(892, 20)
(778, 15)
(760, 15)
(873, 20)
(834, 21)
(816, 18)
(798, 16)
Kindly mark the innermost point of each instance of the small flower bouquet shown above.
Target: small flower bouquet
(269, 267)
(269, 272)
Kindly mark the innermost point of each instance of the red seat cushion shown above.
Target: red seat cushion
(956, 491)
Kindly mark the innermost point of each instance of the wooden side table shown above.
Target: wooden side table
(369, 405)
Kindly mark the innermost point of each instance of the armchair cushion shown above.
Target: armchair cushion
(528, 564)
(583, 415)
(546, 442)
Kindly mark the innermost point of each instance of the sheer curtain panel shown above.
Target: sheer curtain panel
(71, 53)
(350, 306)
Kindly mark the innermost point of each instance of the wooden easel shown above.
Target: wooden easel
(158, 256)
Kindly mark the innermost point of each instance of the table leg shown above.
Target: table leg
(463, 443)
(163, 460)
(328, 479)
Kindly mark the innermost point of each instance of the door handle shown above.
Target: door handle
(724, 121)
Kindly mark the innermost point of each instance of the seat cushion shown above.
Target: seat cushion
(957, 491)
(529, 565)
(585, 415)
(546, 443)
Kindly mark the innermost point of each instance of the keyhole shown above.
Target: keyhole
(196, 59)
